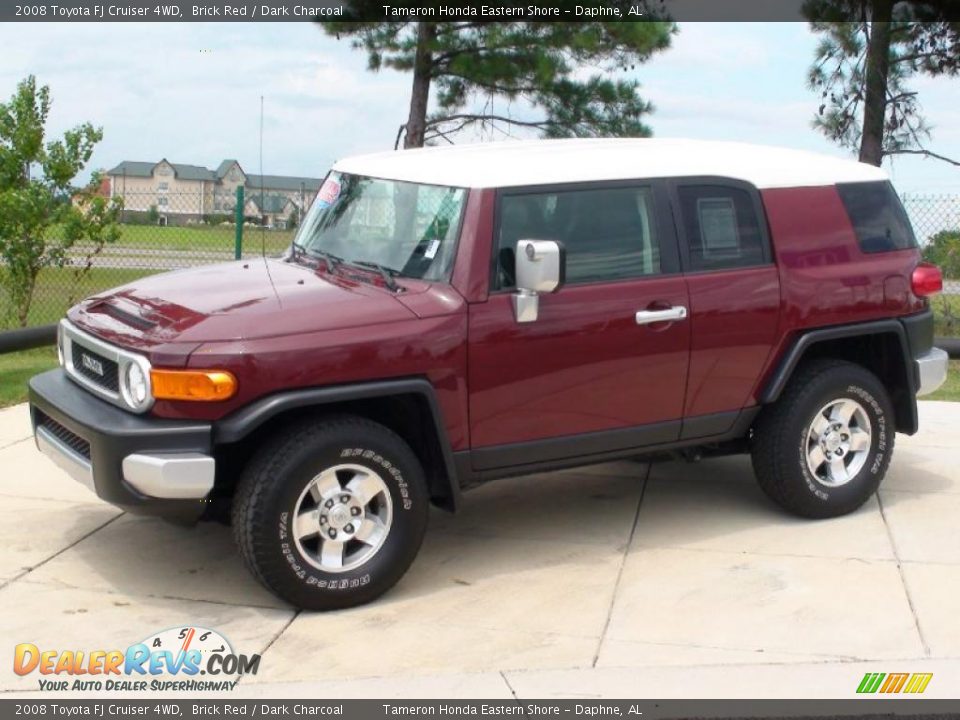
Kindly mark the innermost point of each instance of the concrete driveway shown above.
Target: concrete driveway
(624, 579)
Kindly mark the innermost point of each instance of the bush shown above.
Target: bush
(943, 250)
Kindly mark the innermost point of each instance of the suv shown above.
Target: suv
(449, 316)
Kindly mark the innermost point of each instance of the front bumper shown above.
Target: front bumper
(931, 370)
(143, 465)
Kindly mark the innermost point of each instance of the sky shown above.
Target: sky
(191, 93)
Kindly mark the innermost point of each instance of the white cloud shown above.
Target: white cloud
(191, 92)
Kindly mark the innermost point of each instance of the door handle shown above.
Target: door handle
(677, 312)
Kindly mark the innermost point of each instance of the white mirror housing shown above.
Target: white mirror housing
(540, 268)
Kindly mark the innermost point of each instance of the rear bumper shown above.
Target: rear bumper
(140, 464)
(929, 363)
(931, 370)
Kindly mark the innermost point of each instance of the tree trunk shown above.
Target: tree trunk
(23, 299)
(420, 94)
(875, 91)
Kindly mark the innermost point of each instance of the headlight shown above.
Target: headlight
(135, 386)
(60, 344)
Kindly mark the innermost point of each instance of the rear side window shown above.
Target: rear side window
(879, 220)
(609, 234)
(721, 226)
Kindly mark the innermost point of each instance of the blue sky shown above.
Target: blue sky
(191, 93)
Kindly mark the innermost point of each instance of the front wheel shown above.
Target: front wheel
(330, 514)
(823, 448)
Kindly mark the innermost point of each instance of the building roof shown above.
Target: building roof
(283, 182)
(224, 167)
(541, 162)
(271, 203)
(134, 168)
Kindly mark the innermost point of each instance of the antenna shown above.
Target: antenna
(263, 209)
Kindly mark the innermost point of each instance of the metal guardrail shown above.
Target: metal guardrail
(27, 338)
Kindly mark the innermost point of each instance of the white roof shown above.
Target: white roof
(540, 162)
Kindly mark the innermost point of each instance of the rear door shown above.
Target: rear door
(589, 375)
(734, 292)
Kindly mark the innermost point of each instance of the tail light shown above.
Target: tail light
(926, 280)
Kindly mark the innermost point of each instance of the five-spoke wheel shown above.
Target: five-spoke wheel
(838, 442)
(342, 518)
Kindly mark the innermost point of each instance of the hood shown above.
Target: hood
(247, 299)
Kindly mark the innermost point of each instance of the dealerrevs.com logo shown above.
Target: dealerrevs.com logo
(185, 658)
(890, 683)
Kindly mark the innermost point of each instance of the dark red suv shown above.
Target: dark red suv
(450, 316)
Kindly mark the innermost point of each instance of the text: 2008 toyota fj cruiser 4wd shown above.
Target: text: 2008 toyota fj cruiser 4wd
(449, 316)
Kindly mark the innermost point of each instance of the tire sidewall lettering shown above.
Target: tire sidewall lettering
(387, 466)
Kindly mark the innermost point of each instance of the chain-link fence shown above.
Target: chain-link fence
(161, 232)
(158, 232)
(933, 215)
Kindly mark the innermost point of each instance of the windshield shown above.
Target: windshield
(407, 228)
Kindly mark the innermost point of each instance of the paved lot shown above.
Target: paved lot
(622, 579)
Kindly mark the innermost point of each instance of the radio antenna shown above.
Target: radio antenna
(263, 208)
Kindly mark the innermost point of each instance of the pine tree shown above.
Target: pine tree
(869, 51)
(474, 64)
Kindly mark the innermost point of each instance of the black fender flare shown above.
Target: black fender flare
(241, 423)
(794, 354)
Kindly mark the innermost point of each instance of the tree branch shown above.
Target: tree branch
(480, 117)
(921, 151)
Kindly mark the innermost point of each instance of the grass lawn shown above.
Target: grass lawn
(200, 238)
(951, 388)
(17, 368)
(59, 288)
(946, 315)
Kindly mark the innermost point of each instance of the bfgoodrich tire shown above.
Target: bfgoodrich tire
(823, 448)
(330, 514)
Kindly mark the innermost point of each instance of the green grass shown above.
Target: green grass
(59, 288)
(946, 315)
(17, 368)
(951, 388)
(200, 238)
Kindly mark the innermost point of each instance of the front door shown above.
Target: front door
(596, 372)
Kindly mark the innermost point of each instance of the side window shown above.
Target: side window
(877, 216)
(722, 228)
(609, 234)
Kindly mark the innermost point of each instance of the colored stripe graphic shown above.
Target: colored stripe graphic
(870, 682)
(894, 682)
(918, 682)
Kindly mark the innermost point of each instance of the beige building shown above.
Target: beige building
(177, 194)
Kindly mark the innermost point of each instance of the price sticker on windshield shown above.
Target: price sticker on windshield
(329, 192)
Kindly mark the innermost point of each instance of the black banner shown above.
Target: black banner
(381, 709)
(396, 10)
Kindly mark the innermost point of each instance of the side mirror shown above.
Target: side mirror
(540, 268)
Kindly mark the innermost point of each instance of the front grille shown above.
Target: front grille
(65, 436)
(109, 379)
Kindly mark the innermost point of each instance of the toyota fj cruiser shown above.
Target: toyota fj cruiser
(450, 316)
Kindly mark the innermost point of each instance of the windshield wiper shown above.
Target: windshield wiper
(386, 273)
(298, 250)
(329, 258)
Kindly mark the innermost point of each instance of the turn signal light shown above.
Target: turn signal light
(198, 385)
(926, 280)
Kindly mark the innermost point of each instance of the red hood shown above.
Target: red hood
(240, 300)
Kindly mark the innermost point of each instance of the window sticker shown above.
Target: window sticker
(431, 252)
(328, 192)
(718, 225)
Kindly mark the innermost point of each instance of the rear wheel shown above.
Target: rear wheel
(823, 448)
(331, 514)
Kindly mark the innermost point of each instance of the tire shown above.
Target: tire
(379, 514)
(786, 447)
